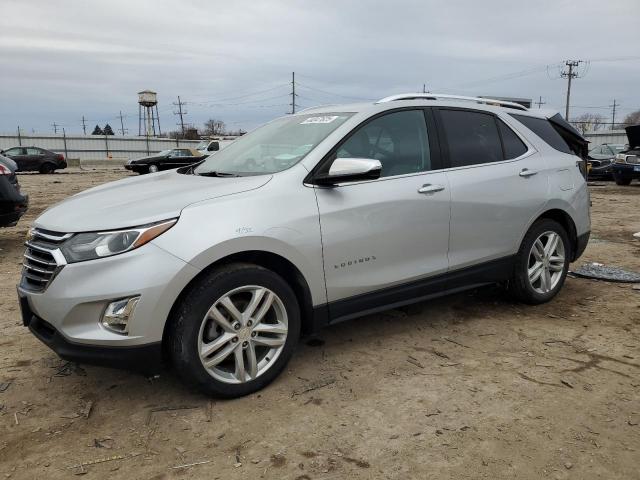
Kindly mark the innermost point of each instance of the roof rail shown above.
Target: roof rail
(438, 96)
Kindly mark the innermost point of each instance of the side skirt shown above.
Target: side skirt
(424, 289)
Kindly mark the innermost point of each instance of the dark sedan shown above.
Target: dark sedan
(13, 203)
(36, 159)
(601, 159)
(165, 160)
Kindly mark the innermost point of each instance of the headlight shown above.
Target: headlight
(89, 246)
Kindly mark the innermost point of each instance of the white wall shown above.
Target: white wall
(606, 136)
(95, 147)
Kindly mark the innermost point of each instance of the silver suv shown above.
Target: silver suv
(314, 218)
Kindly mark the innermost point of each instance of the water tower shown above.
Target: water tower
(148, 113)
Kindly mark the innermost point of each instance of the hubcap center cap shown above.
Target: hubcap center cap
(244, 334)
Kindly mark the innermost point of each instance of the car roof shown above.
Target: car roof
(435, 100)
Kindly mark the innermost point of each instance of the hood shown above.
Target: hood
(633, 134)
(140, 200)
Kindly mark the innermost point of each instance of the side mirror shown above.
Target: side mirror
(350, 170)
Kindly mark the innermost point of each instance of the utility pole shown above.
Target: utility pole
(540, 102)
(122, 129)
(84, 126)
(181, 113)
(55, 128)
(293, 92)
(569, 74)
(424, 88)
(613, 113)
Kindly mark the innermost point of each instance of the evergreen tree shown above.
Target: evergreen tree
(107, 130)
(97, 131)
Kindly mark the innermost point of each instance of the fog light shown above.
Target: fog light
(117, 314)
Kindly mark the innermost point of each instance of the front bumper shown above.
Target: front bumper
(626, 170)
(72, 305)
(146, 359)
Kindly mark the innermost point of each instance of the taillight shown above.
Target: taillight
(60, 157)
(4, 170)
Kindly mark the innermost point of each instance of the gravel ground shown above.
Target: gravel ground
(468, 386)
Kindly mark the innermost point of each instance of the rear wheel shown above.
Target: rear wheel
(235, 330)
(542, 263)
(46, 168)
(153, 168)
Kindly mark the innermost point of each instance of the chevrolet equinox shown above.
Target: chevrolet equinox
(325, 215)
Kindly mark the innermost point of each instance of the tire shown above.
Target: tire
(46, 168)
(193, 328)
(537, 290)
(153, 168)
(622, 180)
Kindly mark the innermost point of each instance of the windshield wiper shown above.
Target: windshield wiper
(217, 174)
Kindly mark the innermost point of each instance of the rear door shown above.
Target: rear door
(498, 184)
(381, 238)
(34, 158)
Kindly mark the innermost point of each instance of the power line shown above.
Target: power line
(180, 112)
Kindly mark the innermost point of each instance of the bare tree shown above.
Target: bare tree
(588, 122)
(632, 119)
(214, 127)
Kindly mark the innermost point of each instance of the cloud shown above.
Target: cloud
(65, 59)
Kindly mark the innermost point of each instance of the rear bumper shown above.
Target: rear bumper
(146, 359)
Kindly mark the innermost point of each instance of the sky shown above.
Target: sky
(64, 59)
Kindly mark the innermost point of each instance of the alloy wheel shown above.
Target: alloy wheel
(546, 262)
(242, 334)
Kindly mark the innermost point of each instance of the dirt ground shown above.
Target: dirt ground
(468, 386)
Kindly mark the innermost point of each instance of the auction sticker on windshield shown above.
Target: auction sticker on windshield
(323, 119)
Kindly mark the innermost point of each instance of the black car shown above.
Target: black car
(627, 164)
(601, 158)
(35, 159)
(13, 204)
(165, 160)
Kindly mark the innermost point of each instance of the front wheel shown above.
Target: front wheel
(542, 263)
(235, 330)
(620, 180)
(153, 168)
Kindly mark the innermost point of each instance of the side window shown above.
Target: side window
(399, 140)
(213, 147)
(34, 151)
(545, 131)
(15, 151)
(511, 143)
(472, 137)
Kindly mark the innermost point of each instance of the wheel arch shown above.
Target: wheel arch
(564, 219)
(271, 261)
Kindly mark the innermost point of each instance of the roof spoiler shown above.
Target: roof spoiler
(438, 96)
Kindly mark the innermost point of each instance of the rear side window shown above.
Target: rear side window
(472, 137)
(545, 131)
(513, 146)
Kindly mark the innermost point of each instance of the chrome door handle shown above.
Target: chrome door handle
(428, 188)
(525, 172)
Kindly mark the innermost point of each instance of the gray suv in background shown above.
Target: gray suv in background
(314, 218)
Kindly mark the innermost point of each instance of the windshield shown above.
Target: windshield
(273, 147)
(163, 153)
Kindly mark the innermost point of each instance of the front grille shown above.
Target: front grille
(42, 259)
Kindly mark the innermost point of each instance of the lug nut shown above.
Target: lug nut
(249, 323)
(244, 344)
(236, 326)
(253, 334)
(234, 339)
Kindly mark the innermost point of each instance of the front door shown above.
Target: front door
(382, 238)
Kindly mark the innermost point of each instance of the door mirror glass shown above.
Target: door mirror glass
(350, 170)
